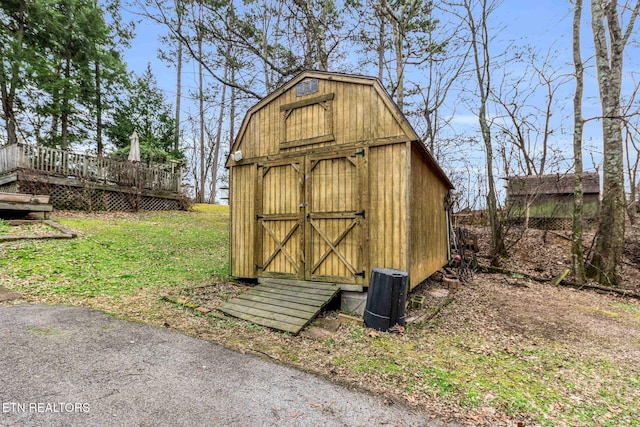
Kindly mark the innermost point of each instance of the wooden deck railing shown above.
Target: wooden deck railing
(102, 170)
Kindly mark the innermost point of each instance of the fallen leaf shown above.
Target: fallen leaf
(373, 334)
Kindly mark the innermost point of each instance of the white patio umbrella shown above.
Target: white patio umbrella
(134, 151)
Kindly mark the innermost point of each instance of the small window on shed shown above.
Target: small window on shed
(307, 87)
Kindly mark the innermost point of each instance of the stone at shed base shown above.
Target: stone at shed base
(331, 325)
(353, 303)
(343, 318)
(316, 333)
(438, 292)
(451, 283)
(7, 295)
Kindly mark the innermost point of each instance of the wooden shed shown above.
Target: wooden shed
(547, 201)
(328, 180)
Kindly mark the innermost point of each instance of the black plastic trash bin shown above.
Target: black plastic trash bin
(386, 299)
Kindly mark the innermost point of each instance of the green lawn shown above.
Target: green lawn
(117, 255)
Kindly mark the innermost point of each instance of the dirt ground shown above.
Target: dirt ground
(498, 313)
(539, 310)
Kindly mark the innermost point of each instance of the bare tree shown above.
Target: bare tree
(524, 123)
(442, 71)
(215, 152)
(475, 14)
(610, 41)
(399, 32)
(577, 251)
(630, 129)
(179, 16)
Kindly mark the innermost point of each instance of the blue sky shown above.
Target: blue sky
(542, 23)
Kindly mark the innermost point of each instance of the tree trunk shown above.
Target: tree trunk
(9, 84)
(577, 250)
(380, 49)
(99, 145)
(398, 40)
(176, 142)
(216, 151)
(482, 60)
(606, 262)
(66, 102)
(203, 176)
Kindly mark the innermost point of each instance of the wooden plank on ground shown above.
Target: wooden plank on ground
(265, 314)
(268, 311)
(284, 307)
(299, 283)
(289, 296)
(290, 290)
(41, 199)
(323, 292)
(294, 329)
(27, 207)
(281, 305)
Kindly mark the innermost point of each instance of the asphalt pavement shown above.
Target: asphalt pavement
(71, 366)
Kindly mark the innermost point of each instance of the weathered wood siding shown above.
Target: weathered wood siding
(428, 221)
(335, 218)
(280, 220)
(242, 192)
(355, 114)
(388, 219)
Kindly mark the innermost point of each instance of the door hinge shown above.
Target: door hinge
(259, 267)
(259, 217)
(360, 153)
(361, 274)
(361, 213)
(258, 166)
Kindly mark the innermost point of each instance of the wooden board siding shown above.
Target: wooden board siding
(280, 219)
(428, 245)
(388, 219)
(357, 113)
(242, 196)
(534, 186)
(335, 218)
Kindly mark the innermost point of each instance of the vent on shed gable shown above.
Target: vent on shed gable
(307, 87)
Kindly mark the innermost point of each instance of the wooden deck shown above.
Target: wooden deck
(285, 305)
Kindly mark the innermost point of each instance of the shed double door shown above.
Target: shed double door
(310, 219)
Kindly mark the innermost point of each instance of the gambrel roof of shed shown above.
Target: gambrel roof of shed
(346, 78)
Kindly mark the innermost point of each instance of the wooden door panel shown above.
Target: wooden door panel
(334, 241)
(280, 228)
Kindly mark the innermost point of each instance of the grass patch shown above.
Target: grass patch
(117, 256)
(210, 208)
(4, 227)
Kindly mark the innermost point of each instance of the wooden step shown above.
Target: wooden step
(283, 305)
